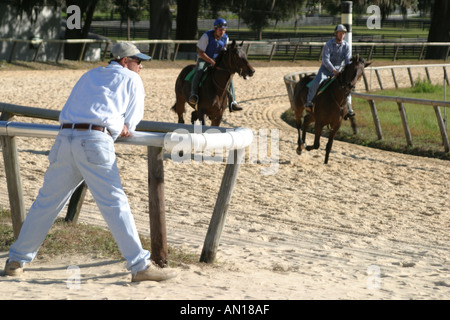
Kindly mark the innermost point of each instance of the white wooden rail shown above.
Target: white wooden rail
(291, 80)
(165, 138)
(38, 43)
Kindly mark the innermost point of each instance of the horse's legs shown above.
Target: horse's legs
(317, 131)
(194, 116)
(300, 140)
(202, 118)
(179, 108)
(329, 145)
(334, 129)
(353, 123)
(306, 123)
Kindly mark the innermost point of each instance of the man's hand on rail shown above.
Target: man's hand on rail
(125, 133)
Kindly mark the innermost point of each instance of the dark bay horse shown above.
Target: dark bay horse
(330, 106)
(213, 91)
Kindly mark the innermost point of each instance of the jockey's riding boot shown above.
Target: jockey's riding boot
(309, 107)
(235, 106)
(193, 99)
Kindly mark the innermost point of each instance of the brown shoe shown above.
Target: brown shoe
(153, 273)
(13, 269)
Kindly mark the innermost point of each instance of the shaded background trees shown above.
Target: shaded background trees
(256, 14)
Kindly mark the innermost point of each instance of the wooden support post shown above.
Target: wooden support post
(428, 74)
(83, 48)
(75, 203)
(442, 128)
(445, 75)
(105, 51)
(154, 50)
(401, 109)
(221, 208)
(158, 235)
(295, 53)
(379, 79)
(13, 181)
(37, 51)
(395, 53)
(376, 120)
(371, 52)
(411, 79)
(421, 52)
(11, 55)
(274, 46)
(59, 51)
(393, 77)
(366, 84)
(177, 47)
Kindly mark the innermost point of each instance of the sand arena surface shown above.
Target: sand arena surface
(369, 225)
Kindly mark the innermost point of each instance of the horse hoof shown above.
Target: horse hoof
(299, 151)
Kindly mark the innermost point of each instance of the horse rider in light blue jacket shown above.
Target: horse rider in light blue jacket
(335, 53)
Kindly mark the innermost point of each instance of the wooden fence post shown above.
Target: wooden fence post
(157, 213)
(379, 79)
(13, 181)
(376, 120)
(401, 109)
(75, 203)
(221, 208)
(393, 78)
(442, 128)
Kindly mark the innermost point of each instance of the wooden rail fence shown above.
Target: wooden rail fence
(269, 49)
(152, 134)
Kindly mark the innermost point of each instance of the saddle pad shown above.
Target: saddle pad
(190, 76)
(327, 83)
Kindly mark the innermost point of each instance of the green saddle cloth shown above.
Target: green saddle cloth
(324, 86)
(190, 76)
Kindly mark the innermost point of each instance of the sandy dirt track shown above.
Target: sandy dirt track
(369, 225)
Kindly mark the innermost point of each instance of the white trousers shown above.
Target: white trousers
(76, 156)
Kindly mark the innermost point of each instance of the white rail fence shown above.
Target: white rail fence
(257, 48)
(291, 80)
(159, 137)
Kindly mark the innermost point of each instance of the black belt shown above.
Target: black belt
(85, 126)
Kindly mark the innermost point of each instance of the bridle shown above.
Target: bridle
(347, 86)
(228, 68)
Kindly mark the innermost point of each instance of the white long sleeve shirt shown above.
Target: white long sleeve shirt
(108, 96)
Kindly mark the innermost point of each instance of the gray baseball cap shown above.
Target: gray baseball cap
(127, 49)
(340, 27)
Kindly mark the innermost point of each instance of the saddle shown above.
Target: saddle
(323, 86)
(190, 76)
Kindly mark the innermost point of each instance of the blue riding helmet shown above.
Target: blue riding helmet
(220, 23)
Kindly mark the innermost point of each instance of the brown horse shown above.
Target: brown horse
(330, 106)
(213, 91)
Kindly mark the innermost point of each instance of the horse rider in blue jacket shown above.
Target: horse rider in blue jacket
(209, 46)
(335, 53)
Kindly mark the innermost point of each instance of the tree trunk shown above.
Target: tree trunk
(439, 29)
(187, 22)
(160, 26)
(72, 51)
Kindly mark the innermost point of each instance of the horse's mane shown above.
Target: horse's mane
(222, 54)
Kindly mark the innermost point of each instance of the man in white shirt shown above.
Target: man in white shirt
(106, 103)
